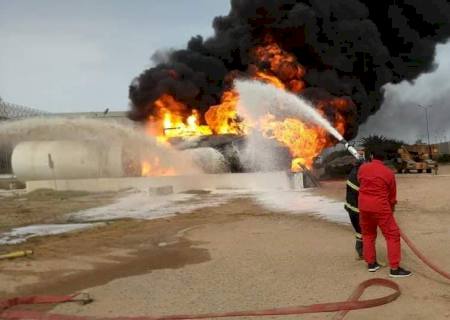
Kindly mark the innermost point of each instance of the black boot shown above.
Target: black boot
(399, 273)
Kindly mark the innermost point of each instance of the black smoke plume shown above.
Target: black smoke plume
(349, 48)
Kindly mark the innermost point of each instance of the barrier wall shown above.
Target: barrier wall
(255, 181)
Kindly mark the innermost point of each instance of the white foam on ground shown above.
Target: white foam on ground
(12, 193)
(141, 205)
(19, 235)
(303, 202)
(144, 206)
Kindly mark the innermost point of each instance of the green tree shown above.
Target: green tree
(388, 145)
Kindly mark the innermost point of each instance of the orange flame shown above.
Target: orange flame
(222, 118)
(270, 79)
(305, 141)
(272, 65)
(171, 120)
(153, 167)
(283, 65)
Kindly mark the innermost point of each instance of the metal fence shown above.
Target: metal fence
(14, 111)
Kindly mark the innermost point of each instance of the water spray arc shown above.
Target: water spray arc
(258, 100)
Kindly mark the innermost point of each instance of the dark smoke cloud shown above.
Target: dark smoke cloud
(348, 47)
(400, 117)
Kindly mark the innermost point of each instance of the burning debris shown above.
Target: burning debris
(336, 53)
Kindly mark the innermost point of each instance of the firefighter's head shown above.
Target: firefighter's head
(378, 153)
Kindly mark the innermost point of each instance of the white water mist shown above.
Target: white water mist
(257, 99)
(138, 144)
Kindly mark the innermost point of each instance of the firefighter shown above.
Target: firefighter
(376, 202)
(351, 203)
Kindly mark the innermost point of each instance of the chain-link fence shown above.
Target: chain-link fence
(14, 111)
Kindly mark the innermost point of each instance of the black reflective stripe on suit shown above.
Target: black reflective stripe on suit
(351, 198)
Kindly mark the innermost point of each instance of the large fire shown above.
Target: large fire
(171, 120)
(271, 65)
(153, 167)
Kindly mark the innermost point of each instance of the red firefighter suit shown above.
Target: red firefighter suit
(377, 198)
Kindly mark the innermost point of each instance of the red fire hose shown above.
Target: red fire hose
(422, 257)
(353, 302)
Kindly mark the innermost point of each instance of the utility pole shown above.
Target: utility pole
(428, 130)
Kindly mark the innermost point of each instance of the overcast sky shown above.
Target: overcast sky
(69, 56)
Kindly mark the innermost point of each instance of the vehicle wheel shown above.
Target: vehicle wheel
(428, 170)
(406, 170)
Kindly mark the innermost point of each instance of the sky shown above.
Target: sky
(76, 56)
(67, 56)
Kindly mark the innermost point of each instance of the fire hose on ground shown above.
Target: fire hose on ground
(342, 307)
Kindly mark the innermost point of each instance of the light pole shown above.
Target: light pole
(428, 131)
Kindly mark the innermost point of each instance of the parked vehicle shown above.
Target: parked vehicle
(411, 159)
